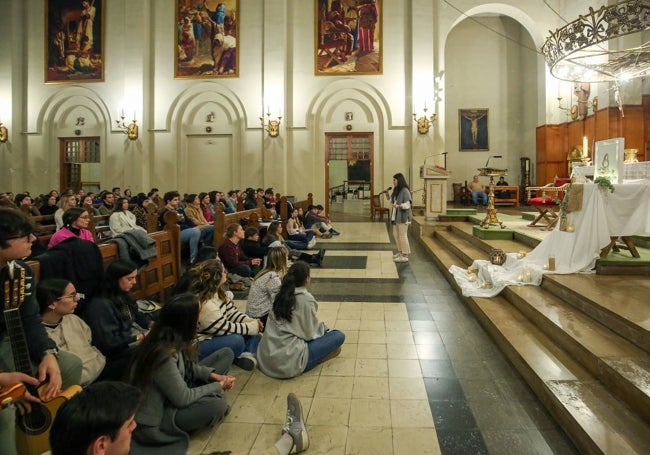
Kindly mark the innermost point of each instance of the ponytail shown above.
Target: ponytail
(285, 300)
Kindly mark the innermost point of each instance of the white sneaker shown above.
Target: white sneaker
(401, 259)
(396, 255)
(312, 243)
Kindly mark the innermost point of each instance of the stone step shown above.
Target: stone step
(596, 420)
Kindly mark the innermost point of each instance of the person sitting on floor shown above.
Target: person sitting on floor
(233, 258)
(295, 340)
(478, 191)
(221, 324)
(267, 284)
(180, 395)
(114, 319)
(273, 238)
(296, 231)
(314, 220)
(57, 300)
(75, 224)
(98, 420)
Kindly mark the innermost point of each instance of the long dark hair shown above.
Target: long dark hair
(110, 289)
(272, 233)
(173, 332)
(401, 183)
(285, 301)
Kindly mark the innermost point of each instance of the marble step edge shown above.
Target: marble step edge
(590, 305)
(574, 414)
(620, 365)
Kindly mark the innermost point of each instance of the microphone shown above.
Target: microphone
(493, 156)
(387, 189)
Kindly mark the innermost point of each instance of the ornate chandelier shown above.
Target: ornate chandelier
(582, 51)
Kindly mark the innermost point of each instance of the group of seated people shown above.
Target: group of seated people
(477, 190)
(179, 355)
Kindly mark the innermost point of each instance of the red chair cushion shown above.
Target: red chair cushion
(541, 201)
(560, 182)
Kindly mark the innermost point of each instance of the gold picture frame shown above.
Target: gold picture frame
(74, 41)
(348, 37)
(207, 39)
(473, 129)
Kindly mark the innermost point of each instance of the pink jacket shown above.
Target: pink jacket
(65, 233)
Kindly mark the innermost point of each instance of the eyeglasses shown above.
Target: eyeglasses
(21, 236)
(72, 296)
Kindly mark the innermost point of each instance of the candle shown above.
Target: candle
(585, 146)
(527, 165)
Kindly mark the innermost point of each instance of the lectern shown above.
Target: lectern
(435, 187)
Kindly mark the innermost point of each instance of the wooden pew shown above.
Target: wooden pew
(514, 195)
(98, 226)
(45, 228)
(158, 279)
(283, 205)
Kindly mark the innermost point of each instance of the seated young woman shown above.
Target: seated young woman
(75, 224)
(221, 324)
(180, 395)
(114, 319)
(295, 340)
(267, 284)
(296, 231)
(274, 237)
(57, 300)
(122, 219)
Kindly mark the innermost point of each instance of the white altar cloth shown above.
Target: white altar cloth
(624, 212)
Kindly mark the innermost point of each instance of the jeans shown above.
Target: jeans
(191, 236)
(320, 348)
(479, 195)
(236, 342)
(207, 234)
(306, 237)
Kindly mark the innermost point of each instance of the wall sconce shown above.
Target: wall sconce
(4, 133)
(424, 122)
(131, 130)
(272, 126)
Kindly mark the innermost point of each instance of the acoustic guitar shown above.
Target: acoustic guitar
(10, 393)
(32, 429)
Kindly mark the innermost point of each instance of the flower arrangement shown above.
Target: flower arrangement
(604, 183)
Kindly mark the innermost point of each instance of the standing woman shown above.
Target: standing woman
(401, 216)
(295, 340)
(180, 395)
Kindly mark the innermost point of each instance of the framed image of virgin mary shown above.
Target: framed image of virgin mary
(207, 39)
(348, 37)
(74, 47)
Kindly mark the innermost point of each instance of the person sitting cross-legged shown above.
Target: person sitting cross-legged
(233, 257)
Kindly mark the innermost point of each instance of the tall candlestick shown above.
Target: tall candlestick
(585, 146)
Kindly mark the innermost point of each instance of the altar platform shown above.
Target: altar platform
(580, 340)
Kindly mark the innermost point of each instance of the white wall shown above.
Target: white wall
(276, 65)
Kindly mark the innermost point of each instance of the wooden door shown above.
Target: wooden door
(74, 152)
(348, 166)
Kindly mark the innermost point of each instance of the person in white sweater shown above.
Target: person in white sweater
(122, 219)
(267, 284)
(57, 300)
(221, 324)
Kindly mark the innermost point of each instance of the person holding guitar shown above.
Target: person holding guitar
(19, 307)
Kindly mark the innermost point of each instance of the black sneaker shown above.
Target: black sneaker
(246, 361)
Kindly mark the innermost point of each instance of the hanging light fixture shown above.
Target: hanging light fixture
(583, 50)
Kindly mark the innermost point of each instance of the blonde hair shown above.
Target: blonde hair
(276, 262)
(205, 280)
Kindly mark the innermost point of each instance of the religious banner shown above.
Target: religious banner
(74, 48)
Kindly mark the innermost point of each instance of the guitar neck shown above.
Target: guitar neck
(14, 295)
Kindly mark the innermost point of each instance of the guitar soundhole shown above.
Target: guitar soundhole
(36, 422)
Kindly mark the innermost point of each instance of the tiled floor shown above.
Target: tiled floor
(417, 373)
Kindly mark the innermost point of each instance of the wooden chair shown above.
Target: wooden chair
(376, 208)
(545, 201)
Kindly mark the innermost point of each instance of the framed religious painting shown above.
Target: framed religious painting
(348, 37)
(74, 46)
(207, 35)
(473, 130)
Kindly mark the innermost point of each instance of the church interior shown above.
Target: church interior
(315, 97)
